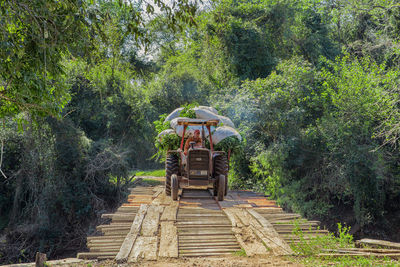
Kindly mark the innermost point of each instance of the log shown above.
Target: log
(130, 239)
(170, 212)
(159, 190)
(95, 255)
(377, 243)
(40, 259)
(244, 235)
(376, 255)
(269, 236)
(150, 222)
(231, 215)
(169, 240)
(373, 250)
(145, 247)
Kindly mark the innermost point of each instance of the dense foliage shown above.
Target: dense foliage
(312, 86)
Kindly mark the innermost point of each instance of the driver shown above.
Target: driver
(195, 138)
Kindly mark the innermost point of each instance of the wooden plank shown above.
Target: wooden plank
(288, 231)
(150, 250)
(205, 254)
(112, 232)
(269, 210)
(102, 258)
(217, 244)
(158, 192)
(375, 255)
(198, 211)
(193, 215)
(206, 238)
(169, 240)
(244, 235)
(145, 247)
(94, 255)
(283, 228)
(205, 242)
(207, 250)
(374, 250)
(211, 221)
(214, 247)
(119, 216)
(361, 250)
(242, 218)
(130, 239)
(166, 200)
(105, 249)
(377, 243)
(268, 234)
(288, 224)
(201, 234)
(127, 210)
(204, 226)
(102, 237)
(170, 212)
(150, 222)
(200, 231)
(209, 218)
(103, 245)
(114, 226)
(231, 216)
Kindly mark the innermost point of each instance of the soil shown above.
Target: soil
(228, 261)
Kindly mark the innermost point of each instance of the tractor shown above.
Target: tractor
(201, 168)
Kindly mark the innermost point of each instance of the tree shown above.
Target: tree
(36, 35)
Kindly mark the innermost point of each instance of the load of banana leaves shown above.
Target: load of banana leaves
(168, 139)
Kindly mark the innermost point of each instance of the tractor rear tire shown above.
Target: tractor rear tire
(221, 167)
(174, 187)
(221, 187)
(171, 167)
(215, 189)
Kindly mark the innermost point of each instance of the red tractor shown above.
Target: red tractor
(201, 167)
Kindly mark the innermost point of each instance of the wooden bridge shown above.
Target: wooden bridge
(151, 226)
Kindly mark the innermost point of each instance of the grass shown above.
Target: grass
(152, 182)
(240, 253)
(349, 261)
(156, 173)
(124, 180)
(308, 250)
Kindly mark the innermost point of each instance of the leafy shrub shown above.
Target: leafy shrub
(188, 111)
(313, 245)
(168, 142)
(231, 143)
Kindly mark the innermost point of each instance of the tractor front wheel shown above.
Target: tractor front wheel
(174, 186)
(221, 187)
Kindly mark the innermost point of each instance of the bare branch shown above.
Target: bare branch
(1, 154)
